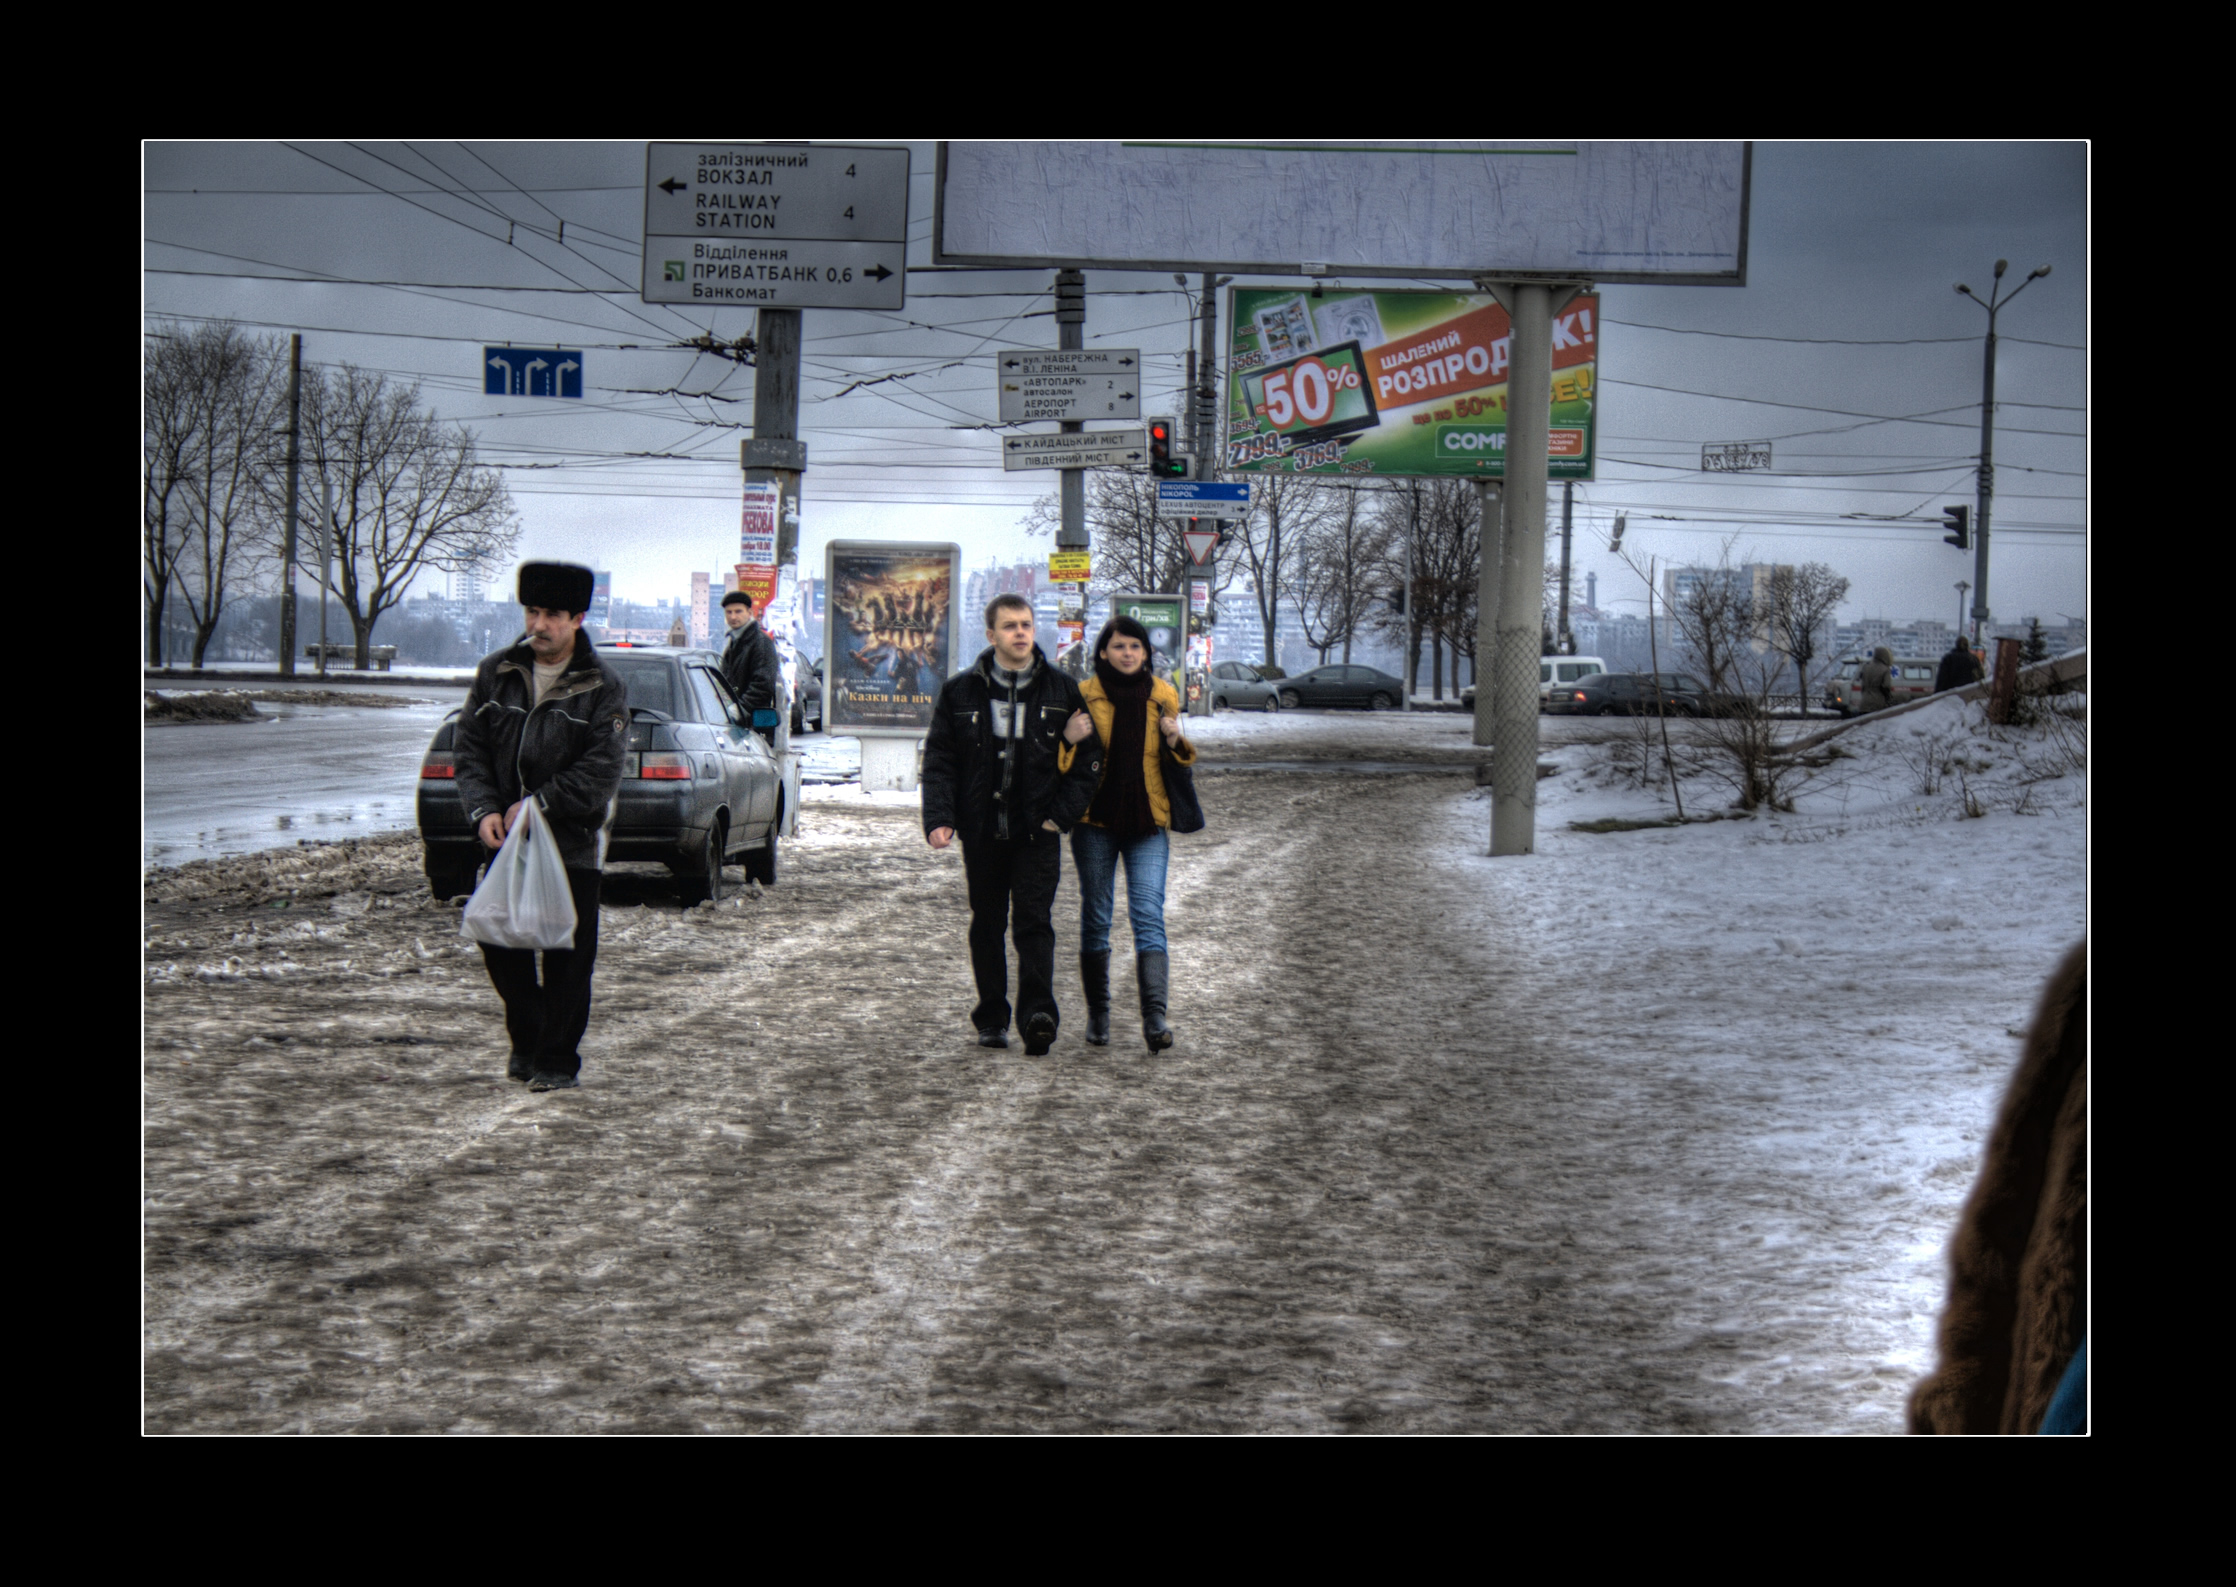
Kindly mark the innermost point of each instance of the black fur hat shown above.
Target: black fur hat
(557, 586)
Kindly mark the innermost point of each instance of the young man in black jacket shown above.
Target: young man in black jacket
(749, 660)
(547, 720)
(991, 779)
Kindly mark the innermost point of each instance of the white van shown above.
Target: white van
(1553, 671)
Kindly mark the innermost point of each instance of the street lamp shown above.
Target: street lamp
(1961, 586)
(1993, 303)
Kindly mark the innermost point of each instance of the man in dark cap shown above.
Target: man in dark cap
(1958, 668)
(749, 661)
(547, 720)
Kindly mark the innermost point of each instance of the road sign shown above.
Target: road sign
(1734, 457)
(757, 524)
(1069, 387)
(1183, 498)
(775, 225)
(1201, 544)
(1080, 449)
(1069, 567)
(531, 372)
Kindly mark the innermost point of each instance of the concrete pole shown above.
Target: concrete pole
(1568, 518)
(325, 560)
(1513, 672)
(1981, 617)
(1203, 433)
(294, 469)
(1490, 499)
(777, 454)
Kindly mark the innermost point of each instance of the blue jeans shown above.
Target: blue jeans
(1096, 854)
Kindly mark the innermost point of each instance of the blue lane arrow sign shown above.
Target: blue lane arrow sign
(531, 372)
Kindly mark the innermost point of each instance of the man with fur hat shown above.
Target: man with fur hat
(992, 779)
(547, 720)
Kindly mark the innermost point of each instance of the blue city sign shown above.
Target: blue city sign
(1204, 491)
(531, 371)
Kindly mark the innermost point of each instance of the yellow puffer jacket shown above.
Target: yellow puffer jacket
(1164, 700)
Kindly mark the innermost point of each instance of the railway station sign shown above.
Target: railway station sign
(775, 225)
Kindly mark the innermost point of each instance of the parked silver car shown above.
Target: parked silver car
(1238, 686)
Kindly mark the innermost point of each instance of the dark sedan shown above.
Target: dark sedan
(699, 786)
(1332, 685)
(1640, 694)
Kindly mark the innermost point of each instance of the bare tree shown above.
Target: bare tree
(1447, 574)
(1285, 509)
(1716, 623)
(1802, 601)
(1341, 564)
(1134, 548)
(175, 416)
(409, 490)
(233, 484)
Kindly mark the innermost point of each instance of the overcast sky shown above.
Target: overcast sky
(408, 258)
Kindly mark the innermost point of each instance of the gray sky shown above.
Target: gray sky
(1854, 243)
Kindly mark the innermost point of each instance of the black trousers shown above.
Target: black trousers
(546, 1022)
(1013, 887)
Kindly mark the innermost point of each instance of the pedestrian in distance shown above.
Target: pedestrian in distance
(547, 720)
(1137, 718)
(993, 780)
(1875, 680)
(1958, 668)
(749, 660)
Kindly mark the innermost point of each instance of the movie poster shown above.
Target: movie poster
(889, 635)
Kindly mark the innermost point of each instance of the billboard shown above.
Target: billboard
(1515, 209)
(1404, 383)
(890, 637)
(1160, 614)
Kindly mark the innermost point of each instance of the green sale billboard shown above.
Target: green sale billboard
(1404, 383)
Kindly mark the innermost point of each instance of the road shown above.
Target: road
(1404, 1172)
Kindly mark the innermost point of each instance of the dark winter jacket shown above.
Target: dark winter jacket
(2018, 1265)
(963, 756)
(567, 752)
(749, 664)
(1958, 668)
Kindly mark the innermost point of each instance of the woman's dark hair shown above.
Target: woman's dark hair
(1122, 624)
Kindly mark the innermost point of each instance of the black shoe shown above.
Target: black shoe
(553, 1080)
(993, 1036)
(1154, 971)
(1040, 1035)
(520, 1069)
(1094, 975)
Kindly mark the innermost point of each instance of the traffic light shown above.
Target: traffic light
(1397, 600)
(1622, 521)
(1958, 521)
(1162, 464)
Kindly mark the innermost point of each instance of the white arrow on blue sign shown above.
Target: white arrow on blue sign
(1202, 499)
(531, 372)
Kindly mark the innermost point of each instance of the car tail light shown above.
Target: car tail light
(665, 768)
(439, 764)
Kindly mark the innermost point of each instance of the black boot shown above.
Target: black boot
(1094, 975)
(1155, 973)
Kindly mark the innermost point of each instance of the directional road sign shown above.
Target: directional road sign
(1201, 544)
(1069, 387)
(1080, 449)
(775, 225)
(531, 372)
(1185, 498)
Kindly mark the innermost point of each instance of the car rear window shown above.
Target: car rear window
(651, 682)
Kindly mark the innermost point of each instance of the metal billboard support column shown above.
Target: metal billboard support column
(325, 561)
(1513, 679)
(294, 467)
(1071, 337)
(1490, 499)
(1203, 435)
(1562, 643)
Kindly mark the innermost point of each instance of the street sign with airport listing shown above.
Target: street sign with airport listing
(775, 225)
(1069, 387)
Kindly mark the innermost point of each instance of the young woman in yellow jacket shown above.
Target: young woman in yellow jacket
(1137, 715)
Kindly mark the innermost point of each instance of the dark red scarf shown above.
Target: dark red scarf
(1121, 805)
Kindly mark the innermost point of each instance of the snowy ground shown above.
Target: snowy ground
(1654, 1130)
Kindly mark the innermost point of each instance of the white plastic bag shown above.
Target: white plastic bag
(524, 901)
